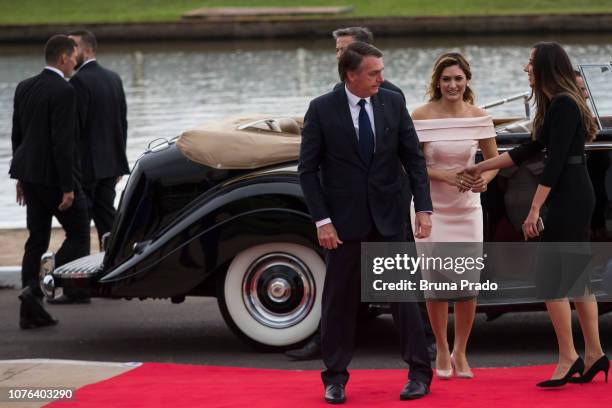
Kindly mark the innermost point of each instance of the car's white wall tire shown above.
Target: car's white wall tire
(236, 303)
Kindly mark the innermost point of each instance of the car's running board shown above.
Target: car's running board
(85, 267)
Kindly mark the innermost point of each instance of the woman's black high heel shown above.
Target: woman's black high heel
(576, 368)
(603, 364)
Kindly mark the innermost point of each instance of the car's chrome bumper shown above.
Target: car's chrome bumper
(47, 266)
(51, 277)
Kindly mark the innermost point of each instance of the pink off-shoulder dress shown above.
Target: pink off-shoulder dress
(451, 144)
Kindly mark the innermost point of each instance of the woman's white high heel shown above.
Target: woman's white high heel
(444, 374)
(460, 374)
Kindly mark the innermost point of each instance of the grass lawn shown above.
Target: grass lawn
(87, 11)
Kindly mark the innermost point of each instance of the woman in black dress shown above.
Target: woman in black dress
(562, 125)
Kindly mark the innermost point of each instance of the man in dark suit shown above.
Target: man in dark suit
(45, 163)
(353, 141)
(103, 130)
(312, 349)
(102, 123)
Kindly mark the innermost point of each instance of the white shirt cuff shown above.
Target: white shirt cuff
(321, 223)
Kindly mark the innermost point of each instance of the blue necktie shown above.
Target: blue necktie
(366, 136)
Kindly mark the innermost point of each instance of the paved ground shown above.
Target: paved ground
(194, 332)
(49, 374)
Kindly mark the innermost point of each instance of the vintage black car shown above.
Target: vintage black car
(219, 212)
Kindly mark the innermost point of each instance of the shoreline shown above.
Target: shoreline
(277, 28)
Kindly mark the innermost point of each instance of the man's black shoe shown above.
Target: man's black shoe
(432, 351)
(68, 300)
(31, 306)
(35, 323)
(310, 351)
(32, 314)
(414, 390)
(334, 394)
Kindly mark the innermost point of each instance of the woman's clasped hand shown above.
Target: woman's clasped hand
(466, 182)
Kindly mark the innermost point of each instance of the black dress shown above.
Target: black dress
(570, 203)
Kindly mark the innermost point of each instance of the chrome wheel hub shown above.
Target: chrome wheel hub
(278, 290)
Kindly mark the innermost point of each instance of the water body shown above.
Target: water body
(171, 87)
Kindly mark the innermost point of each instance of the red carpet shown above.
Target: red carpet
(172, 385)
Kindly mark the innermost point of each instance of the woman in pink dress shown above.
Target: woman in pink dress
(451, 129)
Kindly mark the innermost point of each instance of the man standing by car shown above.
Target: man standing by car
(312, 349)
(102, 123)
(355, 196)
(45, 163)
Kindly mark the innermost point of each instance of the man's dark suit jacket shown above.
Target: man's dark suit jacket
(44, 132)
(338, 184)
(406, 190)
(102, 122)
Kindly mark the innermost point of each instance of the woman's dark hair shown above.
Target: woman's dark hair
(553, 74)
(353, 55)
(444, 61)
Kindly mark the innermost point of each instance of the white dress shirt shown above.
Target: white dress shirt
(355, 109)
(57, 71)
(353, 101)
(85, 63)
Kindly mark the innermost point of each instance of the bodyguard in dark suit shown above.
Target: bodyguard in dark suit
(353, 141)
(45, 163)
(103, 130)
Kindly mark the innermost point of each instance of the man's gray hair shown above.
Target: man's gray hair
(361, 34)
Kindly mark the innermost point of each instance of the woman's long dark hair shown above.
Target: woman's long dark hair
(553, 72)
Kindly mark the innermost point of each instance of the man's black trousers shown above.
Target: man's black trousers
(341, 300)
(42, 204)
(101, 203)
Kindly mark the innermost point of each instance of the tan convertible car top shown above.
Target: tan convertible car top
(257, 140)
(245, 142)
